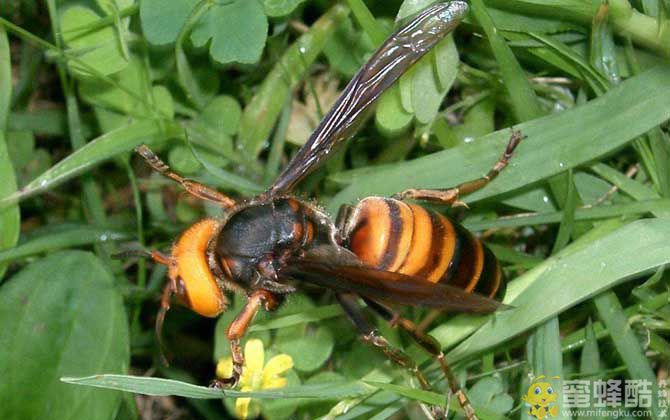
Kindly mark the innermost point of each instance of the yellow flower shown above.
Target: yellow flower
(255, 376)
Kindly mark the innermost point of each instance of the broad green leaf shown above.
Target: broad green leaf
(237, 31)
(182, 161)
(113, 6)
(411, 7)
(222, 114)
(10, 218)
(276, 8)
(60, 316)
(554, 144)
(571, 278)
(163, 20)
(282, 408)
(45, 122)
(478, 121)
(164, 387)
(390, 116)
(489, 392)
(425, 85)
(107, 146)
(99, 48)
(147, 102)
(21, 148)
(260, 115)
(5, 79)
(347, 49)
(309, 345)
(445, 65)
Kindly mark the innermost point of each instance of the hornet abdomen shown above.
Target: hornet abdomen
(407, 238)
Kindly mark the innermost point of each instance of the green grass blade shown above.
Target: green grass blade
(542, 354)
(565, 230)
(658, 206)
(626, 343)
(108, 145)
(573, 278)
(628, 185)
(644, 30)
(164, 387)
(554, 144)
(577, 339)
(310, 315)
(524, 102)
(73, 237)
(429, 397)
(367, 21)
(590, 359)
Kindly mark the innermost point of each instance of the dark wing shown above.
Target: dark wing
(338, 269)
(402, 49)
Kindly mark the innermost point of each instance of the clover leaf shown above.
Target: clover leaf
(163, 20)
(276, 8)
(237, 31)
(96, 49)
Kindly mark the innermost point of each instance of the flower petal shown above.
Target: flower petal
(242, 407)
(254, 356)
(277, 365)
(275, 382)
(224, 368)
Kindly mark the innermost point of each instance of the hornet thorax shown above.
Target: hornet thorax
(258, 239)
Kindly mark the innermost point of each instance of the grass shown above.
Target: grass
(579, 219)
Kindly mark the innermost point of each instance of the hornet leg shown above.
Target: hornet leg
(196, 189)
(370, 335)
(431, 346)
(169, 289)
(451, 196)
(238, 328)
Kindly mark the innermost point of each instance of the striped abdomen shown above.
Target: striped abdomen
(406, 238)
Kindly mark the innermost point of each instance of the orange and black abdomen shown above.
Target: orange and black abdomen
(406, 238)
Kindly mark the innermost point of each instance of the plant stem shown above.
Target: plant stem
(367, 21)
(644, 30)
